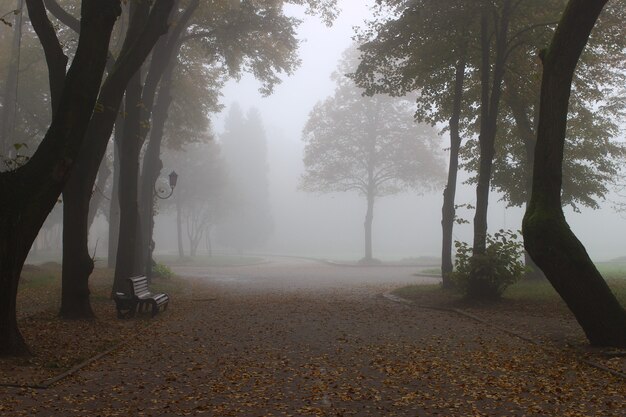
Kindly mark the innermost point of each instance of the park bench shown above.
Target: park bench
(139, 299)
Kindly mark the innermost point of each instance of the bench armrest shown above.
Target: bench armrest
(122, 296)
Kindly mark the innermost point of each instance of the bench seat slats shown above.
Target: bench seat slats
(140, 298)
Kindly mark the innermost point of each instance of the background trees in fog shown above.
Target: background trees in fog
(249, 222)
(370, 145)
(201, 197)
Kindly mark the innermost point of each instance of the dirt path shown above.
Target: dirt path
(302, 338)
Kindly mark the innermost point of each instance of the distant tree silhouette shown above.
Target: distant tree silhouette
(370, 145)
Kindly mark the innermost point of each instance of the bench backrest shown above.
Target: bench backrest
(139, 285)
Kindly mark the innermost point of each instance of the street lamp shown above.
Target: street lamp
(173, 177)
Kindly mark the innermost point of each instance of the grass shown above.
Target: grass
(525, 291)
(612, 270)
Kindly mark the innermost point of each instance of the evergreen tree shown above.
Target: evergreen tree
(249, 220)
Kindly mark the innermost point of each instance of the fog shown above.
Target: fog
(331, 225)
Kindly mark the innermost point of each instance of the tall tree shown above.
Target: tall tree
(35, 187)
(249, 223)
(547, 236)
(370, 145)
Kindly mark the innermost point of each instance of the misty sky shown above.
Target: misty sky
(327, 225)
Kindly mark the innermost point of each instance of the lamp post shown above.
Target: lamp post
(173, 180)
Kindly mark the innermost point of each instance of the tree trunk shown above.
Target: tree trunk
(448, 212)
(127, 264)
(35, 187)
(369, 217)
(77, 263)
(490, 101)
(547, 235)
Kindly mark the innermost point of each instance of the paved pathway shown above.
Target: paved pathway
(293, 337)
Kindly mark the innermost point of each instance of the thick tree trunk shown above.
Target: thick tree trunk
(77, 263)
(35, 187)
(127, 263)
(448, 212)
(547, 235)
(11, 340)
(369, 217)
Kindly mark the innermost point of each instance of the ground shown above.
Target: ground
(296, 337)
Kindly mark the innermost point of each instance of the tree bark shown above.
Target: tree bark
(127, 262)
(448, 212)
(547, 236)
(77, 263)
(35, 187)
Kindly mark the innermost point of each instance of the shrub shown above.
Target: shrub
(486, 276)
(162, 271)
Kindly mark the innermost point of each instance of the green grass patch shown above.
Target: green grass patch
(612, 270)
(525, 290)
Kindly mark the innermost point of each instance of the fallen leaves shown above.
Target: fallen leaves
(320, 354)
